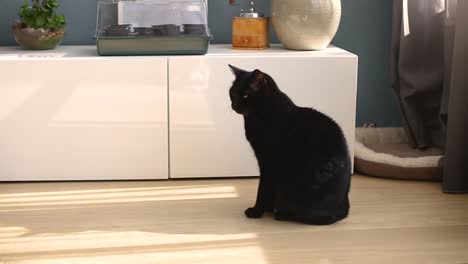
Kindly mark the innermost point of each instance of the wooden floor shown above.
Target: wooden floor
(202, 222)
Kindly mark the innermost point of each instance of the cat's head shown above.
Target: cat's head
(247, 88)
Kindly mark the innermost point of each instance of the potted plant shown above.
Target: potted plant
(39, 27)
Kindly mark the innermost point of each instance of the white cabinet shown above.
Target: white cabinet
(80, 117)
(68, 114)
(207, 137)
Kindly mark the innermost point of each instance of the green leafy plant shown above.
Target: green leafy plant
(41, 14)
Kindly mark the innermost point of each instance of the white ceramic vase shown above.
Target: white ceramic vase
(306, 24)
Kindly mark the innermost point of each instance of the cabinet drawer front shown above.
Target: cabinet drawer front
(247, 41)
(207, 137)
(83, 119)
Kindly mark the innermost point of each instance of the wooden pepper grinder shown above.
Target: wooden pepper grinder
(250, 30)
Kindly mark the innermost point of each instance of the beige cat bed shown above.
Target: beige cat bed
(385, 152)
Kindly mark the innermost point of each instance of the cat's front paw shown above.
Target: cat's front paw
(253, 212)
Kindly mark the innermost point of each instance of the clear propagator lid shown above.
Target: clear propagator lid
(133, 18)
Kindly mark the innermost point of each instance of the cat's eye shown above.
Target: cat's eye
(245, 96)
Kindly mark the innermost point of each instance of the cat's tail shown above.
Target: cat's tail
(328, 219)
(316, 217)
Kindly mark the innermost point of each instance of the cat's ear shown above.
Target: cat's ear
(236, 70)
(258, 81)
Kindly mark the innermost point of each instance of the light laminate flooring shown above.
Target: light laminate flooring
(202, 221)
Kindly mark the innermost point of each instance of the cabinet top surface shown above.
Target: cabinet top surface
(218, 50)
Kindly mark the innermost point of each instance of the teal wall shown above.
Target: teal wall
(365, 30)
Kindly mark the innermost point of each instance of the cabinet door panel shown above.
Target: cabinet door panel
(207, 137)
(96, 119)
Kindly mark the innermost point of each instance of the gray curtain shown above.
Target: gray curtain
(430, 80)
(456, 102)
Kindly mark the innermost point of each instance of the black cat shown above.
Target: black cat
(305, 168)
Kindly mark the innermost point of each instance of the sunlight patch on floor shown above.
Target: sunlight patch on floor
(106, 190)
(116, 196)
(12, 231)
(241, 254)
(121, 247)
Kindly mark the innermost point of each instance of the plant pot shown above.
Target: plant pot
(37, 39)
(194, 29)
(166, 30)
(306, 24)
